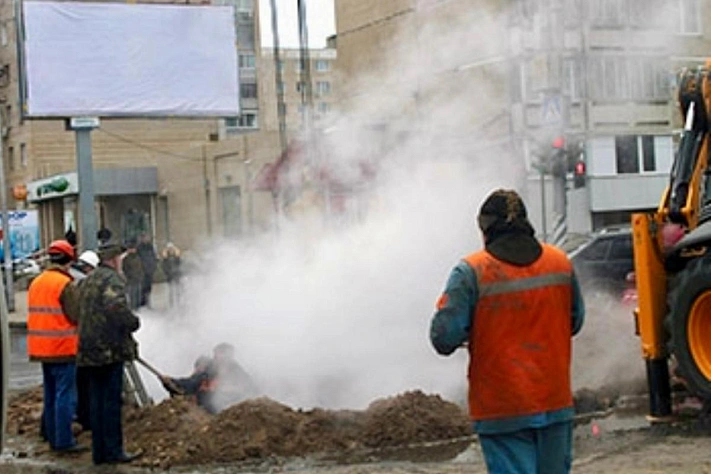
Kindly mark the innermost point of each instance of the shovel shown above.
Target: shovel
(172, 387)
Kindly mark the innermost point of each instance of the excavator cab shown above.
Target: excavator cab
(673, 275)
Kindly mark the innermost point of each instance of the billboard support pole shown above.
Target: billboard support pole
(85, 173)
(7, 251)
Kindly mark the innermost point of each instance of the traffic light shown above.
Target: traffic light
(579, 174)
(558, 157)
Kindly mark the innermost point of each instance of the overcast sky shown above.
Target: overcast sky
(320, 22)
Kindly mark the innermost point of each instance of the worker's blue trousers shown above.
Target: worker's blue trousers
(546, 450)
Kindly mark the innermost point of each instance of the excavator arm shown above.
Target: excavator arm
(664, 332)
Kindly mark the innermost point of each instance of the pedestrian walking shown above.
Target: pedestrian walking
(106, 343)
(52, 340)
(515, 306)
(171, 266)
(132, 269)
(149, 260)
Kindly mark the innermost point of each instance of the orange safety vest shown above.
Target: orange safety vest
(520, 342)
(50, 334)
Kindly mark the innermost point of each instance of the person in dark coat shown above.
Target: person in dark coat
(106, 343)
(150, 262)
(132, 268)
(216, 383)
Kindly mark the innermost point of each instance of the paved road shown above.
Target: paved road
(23, 374)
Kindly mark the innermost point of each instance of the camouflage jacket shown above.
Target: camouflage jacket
(105, 320)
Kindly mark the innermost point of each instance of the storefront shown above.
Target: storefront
(125, 200)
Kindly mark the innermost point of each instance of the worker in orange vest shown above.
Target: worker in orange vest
(52, 340)
(515, 306)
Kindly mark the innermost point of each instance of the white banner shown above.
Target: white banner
(113, 59)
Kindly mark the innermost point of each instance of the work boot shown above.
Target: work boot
(74, 449)
(125, 458)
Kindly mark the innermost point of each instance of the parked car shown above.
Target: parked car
(604, 262)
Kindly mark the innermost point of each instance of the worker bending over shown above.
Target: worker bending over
(215, 383)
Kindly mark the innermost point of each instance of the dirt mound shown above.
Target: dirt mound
(413, 417)
(164, 432)
(24, 411)
(176, 432)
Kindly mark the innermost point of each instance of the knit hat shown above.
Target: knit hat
(502, 212)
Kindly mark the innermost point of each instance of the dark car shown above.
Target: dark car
(604, 262)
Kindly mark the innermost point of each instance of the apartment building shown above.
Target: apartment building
(597, 72)
(160, 176)
(615, 95)
(181, 180)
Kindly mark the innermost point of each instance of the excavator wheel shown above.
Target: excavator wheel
(689, 325)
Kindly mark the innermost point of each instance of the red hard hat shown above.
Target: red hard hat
(62, 247)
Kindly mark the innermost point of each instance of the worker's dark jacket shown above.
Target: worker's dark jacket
(215, 388)
(105, 320)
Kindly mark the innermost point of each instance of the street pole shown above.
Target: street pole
(7, 251)
(277, 194)
(82, 127)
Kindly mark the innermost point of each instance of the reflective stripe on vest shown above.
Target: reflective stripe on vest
(50, 334)
(522, 284)
(44, 310)
(519, 345)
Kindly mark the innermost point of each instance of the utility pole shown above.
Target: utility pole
(281, 105)
(555, 47)
(82, 127)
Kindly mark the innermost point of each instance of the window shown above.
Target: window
(281, 65)
(322, 65)
(3, 35)
(246, 61)
(248, 91)
(572, 79)
(299, 86)
(282, 109)
(245, 36)
(324, 107)
(621, 78)
(245, 5)
(248, 121)
(607, 13)
(621, 248)
(11, 158)
(634, 153)
(323, 87)
(280, 88)
(231, 204)
(689, 17)
(596, 251)
(23, 155)
(649, 163)
(626, 154)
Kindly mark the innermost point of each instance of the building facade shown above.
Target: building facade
(181, 180)
(599, 73)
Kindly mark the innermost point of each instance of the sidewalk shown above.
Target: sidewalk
(18, 317)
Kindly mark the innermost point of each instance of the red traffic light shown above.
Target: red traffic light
(559, 142)
(580, 168)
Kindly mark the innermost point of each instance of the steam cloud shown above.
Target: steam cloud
(338, 315)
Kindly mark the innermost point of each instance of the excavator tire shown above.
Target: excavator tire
(688, 324)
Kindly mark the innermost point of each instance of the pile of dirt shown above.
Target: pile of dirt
(176, 432)
(24, 411)
(411, 418)
(164, 432)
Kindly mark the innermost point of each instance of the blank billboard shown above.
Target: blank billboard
(126, 60)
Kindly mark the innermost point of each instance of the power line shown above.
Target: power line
(147, 147)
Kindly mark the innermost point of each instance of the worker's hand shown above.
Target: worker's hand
(170, 386)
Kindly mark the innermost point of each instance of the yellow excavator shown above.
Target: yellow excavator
(673, 317)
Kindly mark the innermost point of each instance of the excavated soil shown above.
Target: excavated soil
(176, 432)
